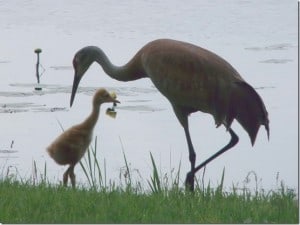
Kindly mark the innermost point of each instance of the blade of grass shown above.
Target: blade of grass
(126, 164)
(85, 172)
(219, 189)
(127, 170)
(61, 126)
(89, 166)
(105, 173)
(95, 158)
(97, 166)
(176, 182)
(155, 181)
(45, 172)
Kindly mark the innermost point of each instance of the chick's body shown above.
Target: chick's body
(69, 147)
(73, 143)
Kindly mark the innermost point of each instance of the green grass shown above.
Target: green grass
(45, 203)
(163, 200)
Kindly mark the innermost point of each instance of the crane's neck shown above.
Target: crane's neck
(130, 71)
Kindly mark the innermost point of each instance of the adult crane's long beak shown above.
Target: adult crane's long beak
(74, 88)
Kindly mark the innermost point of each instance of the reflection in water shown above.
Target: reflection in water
(276, 61)
(61, 67)
(60, 89)
(55, 89)
(26, 107)
(5, 152)
(140, 108)
(283, 46)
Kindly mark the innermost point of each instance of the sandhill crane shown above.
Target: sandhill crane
(192, 79)
(69, 147)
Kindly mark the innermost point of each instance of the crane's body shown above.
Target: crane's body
(192, 79)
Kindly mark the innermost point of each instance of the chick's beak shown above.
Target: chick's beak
(116, 101)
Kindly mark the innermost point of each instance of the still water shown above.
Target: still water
(259, 38)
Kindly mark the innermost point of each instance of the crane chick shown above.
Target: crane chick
(69, 147)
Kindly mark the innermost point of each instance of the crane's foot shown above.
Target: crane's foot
(189, 181)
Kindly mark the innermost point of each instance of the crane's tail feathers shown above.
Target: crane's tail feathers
(249, 110)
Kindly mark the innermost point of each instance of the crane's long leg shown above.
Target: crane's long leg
(182, 115)
(189, 182)
(233, 141)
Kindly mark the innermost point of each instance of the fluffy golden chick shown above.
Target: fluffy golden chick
(69, 147)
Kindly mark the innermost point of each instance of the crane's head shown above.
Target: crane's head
(81, 62)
